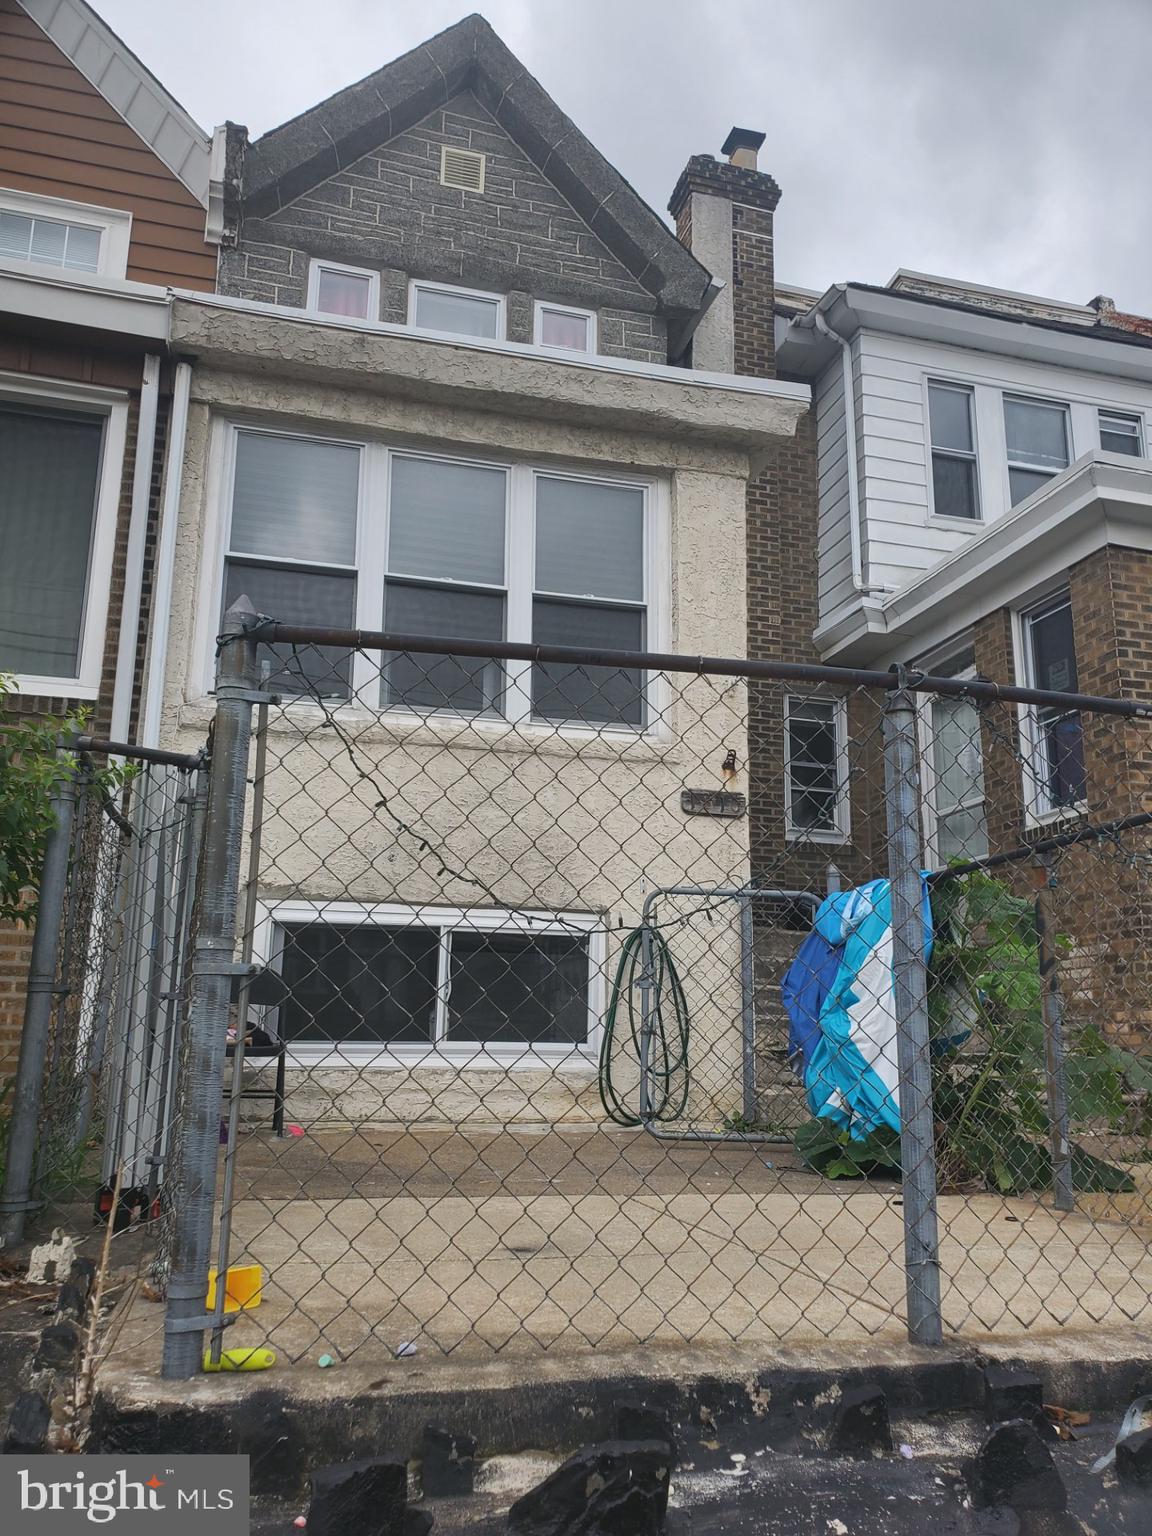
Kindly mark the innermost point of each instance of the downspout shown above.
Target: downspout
(165, 561)
(860, 582)
(137, 542)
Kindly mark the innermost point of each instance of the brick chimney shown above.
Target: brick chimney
(723, 212)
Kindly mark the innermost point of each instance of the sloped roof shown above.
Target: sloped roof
(127, 86)
(289, 160)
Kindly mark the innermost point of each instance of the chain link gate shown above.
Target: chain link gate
(94, 1089)
(533, 1090)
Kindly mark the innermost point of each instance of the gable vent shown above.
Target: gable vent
(462, 168)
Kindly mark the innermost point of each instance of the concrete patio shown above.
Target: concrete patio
(487, 1241)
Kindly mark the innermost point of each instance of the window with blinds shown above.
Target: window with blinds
(343, 535)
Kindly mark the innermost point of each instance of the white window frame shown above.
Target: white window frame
(589, 315)
(842, 830)
(112, 406)
(942, 657)
(267, 949)
(114, 224)
(1135, 418)
(975, 522)
(1010, 464)
(318, 265)
(1038, 810)
(376, 459)
(420, 285)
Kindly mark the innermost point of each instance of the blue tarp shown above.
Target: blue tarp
(838, 994)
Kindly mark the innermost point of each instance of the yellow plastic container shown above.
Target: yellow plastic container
(242, 1288)
(241, 1358)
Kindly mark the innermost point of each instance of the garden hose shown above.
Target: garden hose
(668, 1059)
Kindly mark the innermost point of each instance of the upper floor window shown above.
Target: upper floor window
(459, 311)
(1121, 433)
(60, 461)
(75, 237)
(955, 477)
(573, 330)
(346, 535)
(334, 289)
(1036, 432)
(1056, 757)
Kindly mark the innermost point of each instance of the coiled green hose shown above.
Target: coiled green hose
(667, 1063)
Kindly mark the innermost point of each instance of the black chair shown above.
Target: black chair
(262, 1046)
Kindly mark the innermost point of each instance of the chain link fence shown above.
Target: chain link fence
(93, 1094)
(523, 999)
(603, 999)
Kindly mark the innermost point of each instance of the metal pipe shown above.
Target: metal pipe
(213, 969)
(248, 932)
(131, 602)
(269, 632)
(24, 1124)
(1086, 834)
(131, 749)
(1055, 1066)
(748, 1010)
(157, 661)
(910, 998)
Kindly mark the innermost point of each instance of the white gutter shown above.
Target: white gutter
(860, 582)
(153, 702)
(137, 540)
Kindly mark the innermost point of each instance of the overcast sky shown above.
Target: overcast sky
(1003, 141)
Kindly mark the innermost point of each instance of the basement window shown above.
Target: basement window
(816, 768)
(462, 168)
(464, 983)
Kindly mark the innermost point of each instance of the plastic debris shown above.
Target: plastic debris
(295, 1130)
(1138, 1417)
(254, 1359)
(300, 1522)
(325, 1361)
(403, 1351)
(907, 1452)
(50, 1262)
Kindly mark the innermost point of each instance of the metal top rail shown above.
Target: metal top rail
(273, 633)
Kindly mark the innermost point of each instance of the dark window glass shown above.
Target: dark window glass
(420, 681)
(1062, 756)
(954, 486)
(813, 777)
(1120, 434)
(1054, 650)
(1060, 731)
(360, 985)
(297, 596)
(596, 695)
(522, 989)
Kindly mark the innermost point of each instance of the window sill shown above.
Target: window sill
(795, 837)
(503, 1058)
(970, 525)
(55, 688)
(371, 727)
(1049, 818)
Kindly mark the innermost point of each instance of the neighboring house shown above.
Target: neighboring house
(449, 333)
(103, 191)
(984, 487)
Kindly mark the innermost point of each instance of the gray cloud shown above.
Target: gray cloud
(1003, 141)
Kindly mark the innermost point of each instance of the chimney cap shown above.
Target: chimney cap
(742, 138)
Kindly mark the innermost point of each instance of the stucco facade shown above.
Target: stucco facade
(545, 818)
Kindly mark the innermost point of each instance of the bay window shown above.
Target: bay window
(361, 535)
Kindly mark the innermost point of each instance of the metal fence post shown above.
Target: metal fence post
(910, 995)
(1056, 1071)
(24, 1126)
(214, 968)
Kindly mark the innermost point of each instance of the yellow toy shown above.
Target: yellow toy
(240, 1359)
